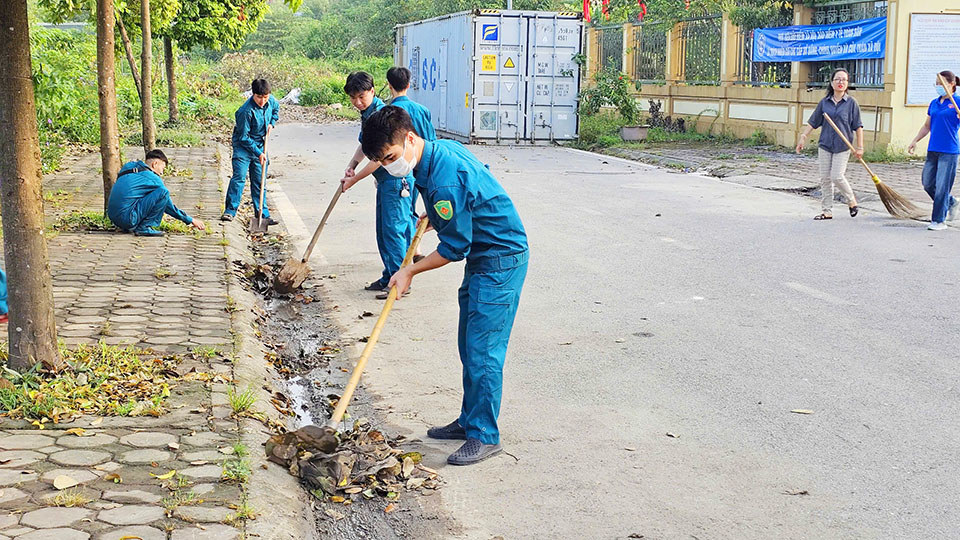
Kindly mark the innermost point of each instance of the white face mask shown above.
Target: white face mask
(401, 167)
(941, 91)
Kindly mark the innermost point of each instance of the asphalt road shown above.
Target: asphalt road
(668, 327)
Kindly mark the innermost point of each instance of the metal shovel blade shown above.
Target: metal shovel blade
(258, 224)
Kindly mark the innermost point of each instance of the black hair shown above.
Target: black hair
(260, 87)
(387, 126)
(947, 75)
(156, 154)
(830, 82)
(358, 81)
(399, 78)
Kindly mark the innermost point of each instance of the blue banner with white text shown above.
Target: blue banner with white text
(866, 38)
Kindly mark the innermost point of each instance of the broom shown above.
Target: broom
(898, 205)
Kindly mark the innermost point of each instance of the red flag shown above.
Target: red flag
(643, 10)
(603, 8)
(586, 10)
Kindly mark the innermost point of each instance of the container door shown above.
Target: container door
(499, 64)
(554, 78)
(444, 82)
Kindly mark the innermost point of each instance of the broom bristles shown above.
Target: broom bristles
(898, 205)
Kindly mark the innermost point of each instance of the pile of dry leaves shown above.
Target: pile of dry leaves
(364, 463)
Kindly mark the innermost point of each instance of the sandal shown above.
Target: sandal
(822, 217)
(854, 210)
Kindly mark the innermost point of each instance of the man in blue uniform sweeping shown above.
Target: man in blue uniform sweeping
(395, 224)
(139, 199)
(475, 220)
(255, 119)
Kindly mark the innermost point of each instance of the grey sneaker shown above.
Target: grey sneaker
(937, 226)
(954, 210)
(473, 451)
(453, 430)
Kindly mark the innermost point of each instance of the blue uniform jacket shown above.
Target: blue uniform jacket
(251, 127)
(380, 174)
(420, 116)
(134, 186)
(472, 214)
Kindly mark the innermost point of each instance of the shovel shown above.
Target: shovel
(257, 223)
(294, 272)
(329, 436)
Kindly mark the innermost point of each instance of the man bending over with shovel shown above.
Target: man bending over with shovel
(139, 199)
(255, 118)
(475, 220)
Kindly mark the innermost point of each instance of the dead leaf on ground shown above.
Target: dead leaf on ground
(802, 411)
(115, 477)
(63, 482)
(672, 435)
(630, 448)
(97, 421)
(78, 431)
(165, 476)
(796, 492)
(565, 343)
(334, 514)
(390, 508)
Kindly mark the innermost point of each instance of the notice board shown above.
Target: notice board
(933, 48)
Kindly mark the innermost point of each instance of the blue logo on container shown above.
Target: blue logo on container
(490, 32)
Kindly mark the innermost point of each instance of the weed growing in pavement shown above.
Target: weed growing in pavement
(240, 449)
(80, 220)
(71, 498)
(224, 242)
(242, 401)
(106, 328)
(179, 498)
(236, 470)
(232, 306)
(887, 155)
(758, 138)
(244, 511)
(206, 352)
(163, 272)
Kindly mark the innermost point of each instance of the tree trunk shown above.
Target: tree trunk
(107, 93)
(169, 61)
(128, 48)
(32, 330)
(146, 92)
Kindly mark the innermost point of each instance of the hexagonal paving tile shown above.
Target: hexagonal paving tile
(50, 518)
(131, 515)
(148, 439)
(28, 441)
(79, 458)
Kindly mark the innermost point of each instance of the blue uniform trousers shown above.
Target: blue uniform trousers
(146, 212)
(395, 226)
(244, 164)
(939, 173)
(489, 296)
(3, 293)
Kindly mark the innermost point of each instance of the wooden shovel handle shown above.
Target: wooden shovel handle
(874, 177)
(374, 336)
(949, 95)
(316, 233)
(263, 180)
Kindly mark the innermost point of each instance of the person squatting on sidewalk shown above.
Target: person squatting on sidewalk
(255, 119)
(139, 199)
(832, 151)
(395, 222)
(475, 220)
(940, 167)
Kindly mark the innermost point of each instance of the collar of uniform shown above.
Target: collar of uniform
(844, 98)
(399, 98)
(253, 104)
(425, 165)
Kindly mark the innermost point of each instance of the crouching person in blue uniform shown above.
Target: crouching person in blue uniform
(395, 223)
(255, 119)
(139, 199)
(475, 220)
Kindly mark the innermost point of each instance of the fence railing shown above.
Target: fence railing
(610, 50)
(649, 53)
(865, 73)
(700, 50)
(761, 73)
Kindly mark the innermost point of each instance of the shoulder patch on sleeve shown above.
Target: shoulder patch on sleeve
(444, 209)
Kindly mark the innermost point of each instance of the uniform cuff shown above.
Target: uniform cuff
(447, 253)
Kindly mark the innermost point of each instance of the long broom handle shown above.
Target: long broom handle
(372, 340)
(944, 83)
(263, 179)
(874, 177)
(316, 234)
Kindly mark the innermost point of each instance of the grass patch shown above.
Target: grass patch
(242, 401)
(660, 135)
(236, 470)
(758, 138)
(83, 221)
(600, 130)
(206, 352)
(99, 379)
(886, 155)
(70, 498)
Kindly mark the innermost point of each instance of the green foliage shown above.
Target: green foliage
(600, 130)
(611, 88)
(65, 85)
(885, 154)
(759, 137)
(661, 135)
(236, 470)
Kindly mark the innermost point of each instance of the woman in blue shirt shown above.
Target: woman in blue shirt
(940, 169)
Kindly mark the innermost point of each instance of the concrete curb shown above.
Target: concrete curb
(283, 508)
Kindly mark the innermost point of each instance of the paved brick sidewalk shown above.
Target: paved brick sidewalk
(737, 160)
(169, 294)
